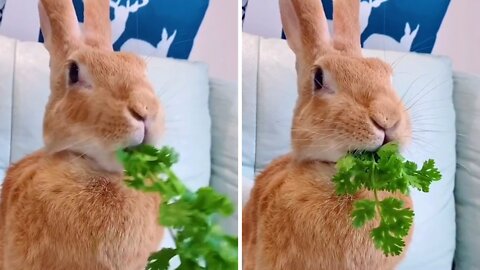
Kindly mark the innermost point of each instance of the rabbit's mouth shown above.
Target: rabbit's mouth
(138, 136)
(144, 130)
(132, 146)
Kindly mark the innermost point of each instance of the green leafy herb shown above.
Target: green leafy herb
(384, 170)
(200, 242)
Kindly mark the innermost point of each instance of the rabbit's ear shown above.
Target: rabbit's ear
(164, 34)
(407, 29)
(346, 26)
(97, 30)
(305, 27)
(60, 28)
(415, 32)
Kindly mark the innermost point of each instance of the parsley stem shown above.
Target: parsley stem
(372, 179)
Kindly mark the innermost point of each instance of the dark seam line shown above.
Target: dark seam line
(256, 111)
(13, 101)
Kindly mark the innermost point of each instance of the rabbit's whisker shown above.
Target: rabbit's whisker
(410, 87)
(428, 92)
(423, 88)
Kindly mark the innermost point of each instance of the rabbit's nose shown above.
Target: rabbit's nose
(388, 127)
(378, 124)
(385, 125)
(384, 122)
(138, 113)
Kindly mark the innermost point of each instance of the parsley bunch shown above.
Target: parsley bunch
(384, 170)
(200, 242)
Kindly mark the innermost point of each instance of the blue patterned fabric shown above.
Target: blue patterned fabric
(2, 6)
(399, 25)
(244, 8)
(165, 28)
(408, 19)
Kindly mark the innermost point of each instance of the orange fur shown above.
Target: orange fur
(66, 206)
(294, 219)
(59, 213)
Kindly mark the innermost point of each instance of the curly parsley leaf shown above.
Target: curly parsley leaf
(421, 179)
(364, 211)
(161, 260)
(385, 170)
(200, 242)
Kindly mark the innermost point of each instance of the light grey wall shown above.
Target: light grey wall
(459, 36)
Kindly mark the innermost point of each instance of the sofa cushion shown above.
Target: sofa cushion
(224, 112)
(425, 82)
(467, 188)
(183, 88)
(7, 59)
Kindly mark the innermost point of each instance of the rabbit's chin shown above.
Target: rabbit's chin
(325, 155)
(102, 158)
(107, 162)
(334, 153)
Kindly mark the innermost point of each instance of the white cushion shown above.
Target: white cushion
(467, 187)
(7, 58)
(224, 112)
(182, 86)
(269, 93)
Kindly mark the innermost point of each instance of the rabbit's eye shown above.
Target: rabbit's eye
(73, 73)
(318, 79)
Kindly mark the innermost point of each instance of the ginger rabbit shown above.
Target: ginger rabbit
(66, 206)
(293, 219)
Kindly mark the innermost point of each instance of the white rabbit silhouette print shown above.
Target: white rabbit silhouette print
(121, 14)
(366, 10)
(161, 50)
(384, 42)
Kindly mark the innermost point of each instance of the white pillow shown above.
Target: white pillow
(467, 186)
(270, 92)
(7, 59)
(182, 86)
(224, 111)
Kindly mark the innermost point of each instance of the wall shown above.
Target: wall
(217, 39)
(20, 22)
(459, 36)
(216, 42)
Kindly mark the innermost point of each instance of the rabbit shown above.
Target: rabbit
(383, 42)
(294, 219)
(66, 206)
